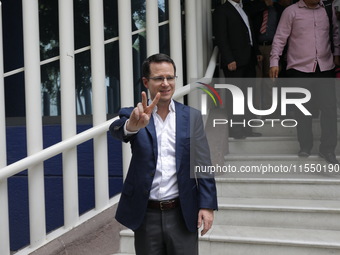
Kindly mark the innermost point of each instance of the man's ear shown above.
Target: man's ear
(145, 82)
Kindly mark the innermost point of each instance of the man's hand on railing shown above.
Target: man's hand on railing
(140, 116)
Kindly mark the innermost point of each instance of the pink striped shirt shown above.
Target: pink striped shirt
(306, 31)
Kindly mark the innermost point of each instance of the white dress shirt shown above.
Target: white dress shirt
(164, 185)
(239, 8)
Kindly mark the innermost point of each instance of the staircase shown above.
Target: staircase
(296, 212)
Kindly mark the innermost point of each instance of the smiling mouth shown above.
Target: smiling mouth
(165, 91)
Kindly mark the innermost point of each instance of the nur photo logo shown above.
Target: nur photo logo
(211, 91)
(283, 98)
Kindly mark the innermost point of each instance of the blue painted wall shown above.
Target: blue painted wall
(18, 185)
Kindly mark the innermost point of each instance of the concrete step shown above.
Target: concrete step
(258, 241)
(275, 166)
(269, 145)
(124, 254)
(276, 188)
(238, 240)
(126, 241)
(275, 128)
(279, 213)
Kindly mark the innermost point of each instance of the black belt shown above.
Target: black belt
(163, 205)
(265, 43)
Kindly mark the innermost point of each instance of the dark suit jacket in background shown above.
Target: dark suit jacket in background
(232, 37)
(190, 136)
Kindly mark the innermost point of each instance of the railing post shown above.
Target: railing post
(99, 102)
(126, 66)
(4, 218)
(199, 37)
(175, 27)
(34, 120)
(152, 29)
(4, 230)
(68, 110)
(125, 52)
(191, 48)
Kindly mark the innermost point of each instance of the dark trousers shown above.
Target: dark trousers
(241, 79)
(323, 99)
(165, 233)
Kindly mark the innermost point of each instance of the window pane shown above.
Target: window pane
(12, 34)
(110, 19)
(49, 28)
(164, 40)
(83, 83)
(81, 23)
(112, 77)
(15, 95)
(138, 14)
(50, 80)
(163, 10)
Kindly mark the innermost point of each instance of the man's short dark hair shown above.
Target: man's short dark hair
(156, 58)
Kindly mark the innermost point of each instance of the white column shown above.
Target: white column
(4, 230)
(126, 67)
(99, 102)
(34, 120)
(191, 48)
(152, 29)
(175, 27)
(68, 110)
(191, 40)
(199, 36)
(4, 220)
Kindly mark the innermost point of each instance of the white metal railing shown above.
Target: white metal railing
(99, 105)
(36, 194)
(68, 110)
(86, 135)
(17, 167)
(72, 142)
(152, 46)
(4, 223)
(125, 65)
(36, 155)
(90, 133)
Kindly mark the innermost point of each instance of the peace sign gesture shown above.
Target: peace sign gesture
(140, 116)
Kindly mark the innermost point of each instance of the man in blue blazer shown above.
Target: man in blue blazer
(164, 201)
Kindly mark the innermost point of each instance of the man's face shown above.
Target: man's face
(156, 82)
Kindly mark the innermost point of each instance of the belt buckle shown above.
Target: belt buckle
(163, 203)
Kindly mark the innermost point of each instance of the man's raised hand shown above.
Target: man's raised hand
(140, 116)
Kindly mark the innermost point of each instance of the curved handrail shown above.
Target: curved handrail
(208, 75)
(55, 149)
(58, 148)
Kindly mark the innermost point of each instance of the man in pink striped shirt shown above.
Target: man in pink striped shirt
(305, 28)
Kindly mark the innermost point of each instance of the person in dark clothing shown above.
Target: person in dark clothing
(239, 55)
(265, 15)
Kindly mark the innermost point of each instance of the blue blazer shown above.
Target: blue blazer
(191, 149)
